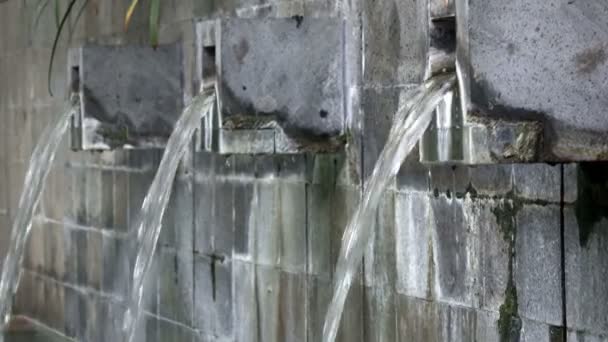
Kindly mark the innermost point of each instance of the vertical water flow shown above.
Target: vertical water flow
(155, 203)
(410, 122)
(39, 167)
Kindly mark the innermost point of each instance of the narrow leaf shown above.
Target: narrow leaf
(57, 12)
(154, 22)
(66, 15)
(130, 12)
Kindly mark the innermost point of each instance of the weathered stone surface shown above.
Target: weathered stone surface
(492, 179)
(586, 269)
(538, 264)
(414, 250)
(455, 253)
(175, 286)
(537, 182)
(394, 50)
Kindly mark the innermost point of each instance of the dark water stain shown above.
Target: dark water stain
(590, 59)
(509, 322)
(299, 19)
(241, 50)
(592, 201)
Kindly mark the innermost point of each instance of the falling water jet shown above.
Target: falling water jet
(410, 122)
(40, 165)
(154, 205)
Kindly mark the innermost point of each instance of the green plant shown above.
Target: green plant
(61, 21)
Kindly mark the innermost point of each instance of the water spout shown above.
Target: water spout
(40, 165)
(155, 202)
(410, 123)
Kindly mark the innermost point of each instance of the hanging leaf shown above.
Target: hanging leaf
(66, 15)
(130, 12)
(57, 13)
(154, 22)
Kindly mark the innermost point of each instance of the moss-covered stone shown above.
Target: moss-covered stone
(509, 323)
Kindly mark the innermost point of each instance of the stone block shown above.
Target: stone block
(245, 302)
(449, 180)
(291, 316)
(175, 286)
(71, 306)
(169, 331)
(139, 185)
(203, 202)
(380, 315)
(455, 253)
(570, 182)
(418, 320)
(584, 336)
(178, 223)
(537, 181)
(320, 211)
(378, 107)
(394, 52)
(586, 272)
(35, 254)
(223, 208)
(495, 254)
(344, 206)
(319, 292)
(413, 246)
(55, 262)
(380, 268)
(492, 180)
(213, 297)
(291, 221)
(537, 269)
(535, 331)
(121, 201)
(118, 260)
(353, 320)
(243, 201)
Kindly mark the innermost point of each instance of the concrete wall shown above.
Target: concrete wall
(489, 253)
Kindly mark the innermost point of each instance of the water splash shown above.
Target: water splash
(410, 122)
(155, 203)
(40, 165)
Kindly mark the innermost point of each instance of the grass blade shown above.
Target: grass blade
(57, 13)
(130, 12)
(154, 21)
(66, 15)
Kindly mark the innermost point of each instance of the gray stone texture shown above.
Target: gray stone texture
(249, 243)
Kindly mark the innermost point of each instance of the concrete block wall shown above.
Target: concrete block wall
(249, 244)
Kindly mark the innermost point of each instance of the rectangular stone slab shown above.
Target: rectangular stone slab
(130, 96)
(544, 61)
(289, 68)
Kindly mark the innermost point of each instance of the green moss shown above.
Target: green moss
(115, 136)
(505, 213)
(592, 200)
(509, 323)
(557, 334)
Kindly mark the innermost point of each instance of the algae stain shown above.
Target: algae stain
(592, 201)
(509, 322)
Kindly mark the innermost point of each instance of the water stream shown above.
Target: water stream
(154, 205)
(40, 165)
(410, 122)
